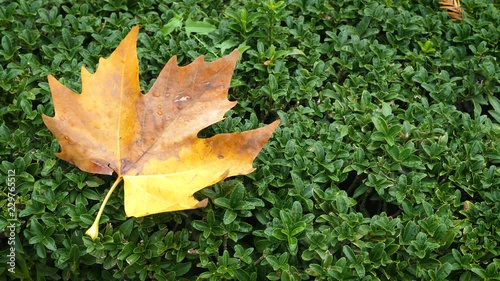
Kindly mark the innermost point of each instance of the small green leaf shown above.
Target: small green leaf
(126, 251)
(229, 216)
(133, 258)
(409, 232)
(223, 202)
(377, 252)
(181, 268)
(237, 195)
(298, 230)
(289, 52)
(380, 125)
(173, 24)
(386, 109)
(198, 27)
(349, 253)
(126, 227)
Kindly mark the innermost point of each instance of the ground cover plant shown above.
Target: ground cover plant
(384, 166)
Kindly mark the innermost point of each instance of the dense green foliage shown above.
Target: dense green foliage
(384, 166)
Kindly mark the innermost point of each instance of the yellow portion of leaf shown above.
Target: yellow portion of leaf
(161, 193)
(207, 162)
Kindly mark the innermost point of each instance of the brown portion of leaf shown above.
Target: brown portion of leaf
(151, 140)
(453, 8)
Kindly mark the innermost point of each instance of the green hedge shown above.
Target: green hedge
(384, 166)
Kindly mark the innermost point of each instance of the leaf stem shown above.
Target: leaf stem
(93, 231)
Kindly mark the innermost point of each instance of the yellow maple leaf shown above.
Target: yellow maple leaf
(150, 141)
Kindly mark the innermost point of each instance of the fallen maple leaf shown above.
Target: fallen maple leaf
(150, 140)
(453, 8)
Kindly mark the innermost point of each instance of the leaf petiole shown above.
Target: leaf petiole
(93, 231)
